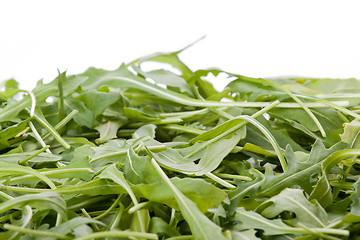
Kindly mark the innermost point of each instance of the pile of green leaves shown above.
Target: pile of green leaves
(160, 154)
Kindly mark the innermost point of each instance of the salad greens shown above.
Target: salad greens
(161, 154)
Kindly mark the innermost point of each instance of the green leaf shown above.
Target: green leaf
(108, 130)
(139, 169)
(351, 134)
(92, 188)
(203, 194)
(7, 169)
(355, 198)
(85, 117)
(159, 226)
(211, 157)
(97, 101)
(45, 200)
(136, 114)
(169, 58)
(298, 173)
(250, 220)
(12, 131)
(201, 227)
(309, 214)
(40, 158)
(69, 226)
(112, 173)
(41, 91)
(170, 79)
(244, 235)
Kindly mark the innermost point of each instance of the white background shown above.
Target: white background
(258, 38)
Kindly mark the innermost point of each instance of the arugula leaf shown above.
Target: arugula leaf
(161, 154)
(293, 200)
(200, 225)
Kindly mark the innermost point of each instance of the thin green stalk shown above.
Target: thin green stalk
(186, 114)
(336, 105)
(23, 161)
(32, 113)
(20, 190)
(138, 207)
(180, 128)
(117, 217)
(220, 181)
(118, 234)
(86, 214)
(38, 137)
(224, 134)
(35, 232)
(320, 235)
(294, 97)
(61, 111)
(115, 203)
(307, 110)
(184, 100)
(271, 139)
(53, 132)
(62, 123)
(124, 152)
(26, 170)
(232, 176)
(155, 122)
(172, 218)
(52, 173)
(183, 237)
(4, 195)
(222, 113)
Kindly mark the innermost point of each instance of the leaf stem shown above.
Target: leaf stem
(23, 161)
(238, 126)
(232, 176)
(61, 111)
(118, 234)
(115, 203)
(220, 181)
(180, 128)
(35, 232)
(38, 137)
(62, 123)
(271, 139)
(52, 131)
(184, 100)
(138, 207)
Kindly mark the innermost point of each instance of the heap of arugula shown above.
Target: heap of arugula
(160, 154)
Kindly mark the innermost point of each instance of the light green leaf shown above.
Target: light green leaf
(40, 158)
(244, 235)
(298, 173)
(203, 194)
(250, 220)
(45, 200)
(108, 130)
(12, 131)
(355, 198)
(170, 79)
(69, 226)
(92, 188)
(351, 134)
(139, 169)
(84, 117)
(309, 214)
(111, 172)
(97, 101)
(201, 227)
